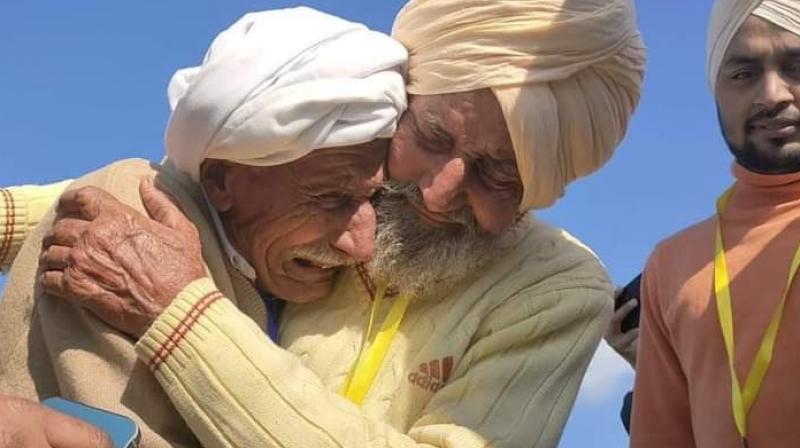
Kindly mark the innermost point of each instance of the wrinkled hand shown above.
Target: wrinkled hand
(623, 343)
(121, 265)
(24, 423)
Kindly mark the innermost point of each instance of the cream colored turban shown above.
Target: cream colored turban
(728, 15)
(567, 75)
(279, 84)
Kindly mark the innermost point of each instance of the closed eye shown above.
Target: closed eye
(498, 175)
(333, 201)
(432, 136)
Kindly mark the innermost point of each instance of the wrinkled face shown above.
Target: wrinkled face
(758, 97)
(299, 223)
(456, 148)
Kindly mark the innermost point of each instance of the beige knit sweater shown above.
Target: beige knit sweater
(496, 362)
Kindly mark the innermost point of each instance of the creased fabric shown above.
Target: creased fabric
(279, 84)
(567, 75)
(727, 17)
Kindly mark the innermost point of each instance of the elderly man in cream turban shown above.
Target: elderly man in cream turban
(717, 363)
(469, 338)
(512, 100)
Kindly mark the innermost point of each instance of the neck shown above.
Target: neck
(756, 179)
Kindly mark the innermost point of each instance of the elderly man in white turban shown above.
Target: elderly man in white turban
(717, 364)
(478, 331)
(273, 153)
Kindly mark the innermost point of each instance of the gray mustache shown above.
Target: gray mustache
(322, 255)
(393, 191)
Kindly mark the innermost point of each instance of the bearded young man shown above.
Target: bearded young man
(716, 365)
(496, 320)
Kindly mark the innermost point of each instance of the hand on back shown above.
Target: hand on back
(121, 265)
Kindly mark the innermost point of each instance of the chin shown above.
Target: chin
(300, 293)
(767, 156)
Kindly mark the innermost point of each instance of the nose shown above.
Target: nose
(442, 186)
(358, 238)
(775, 91)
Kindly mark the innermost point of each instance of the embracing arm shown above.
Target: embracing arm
(21, 209)
(235, 387)
(514, 385)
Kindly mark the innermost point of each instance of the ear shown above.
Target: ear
(214, 176)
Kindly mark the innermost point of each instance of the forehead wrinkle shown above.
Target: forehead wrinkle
(327, 181)
(481, 146)
(758, 36)
(439, 131)
(316, 177)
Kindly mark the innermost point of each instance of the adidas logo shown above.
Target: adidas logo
(432, 375)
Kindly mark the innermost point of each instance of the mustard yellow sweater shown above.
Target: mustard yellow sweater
(21, 209)
(496, 362)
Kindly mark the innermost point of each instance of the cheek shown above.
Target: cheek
(494, 210)
(734, 111)
(304, 229)
(796, 96)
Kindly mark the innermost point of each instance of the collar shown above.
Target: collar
(758, 180)
(235, 258)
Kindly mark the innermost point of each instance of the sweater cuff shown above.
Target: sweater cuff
(159, 343)
(13, 227)
(21, 210)
(39, 199)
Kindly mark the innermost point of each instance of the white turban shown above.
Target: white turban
(567, 75)
(279, 84)
(728, 15)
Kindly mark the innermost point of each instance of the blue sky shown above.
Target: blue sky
(83, 83)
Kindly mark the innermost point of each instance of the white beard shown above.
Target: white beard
(420, 259)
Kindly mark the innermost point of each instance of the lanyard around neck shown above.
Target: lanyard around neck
(742, 399)
(369, 362)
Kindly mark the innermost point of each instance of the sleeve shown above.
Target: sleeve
(21, 209)
(515, 386)
(661, 413)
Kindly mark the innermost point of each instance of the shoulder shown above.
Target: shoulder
(679, 260)
(687, 242)
(550, 272)
(120, 179)
(550, 258)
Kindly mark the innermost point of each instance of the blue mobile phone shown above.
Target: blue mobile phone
(123, 431)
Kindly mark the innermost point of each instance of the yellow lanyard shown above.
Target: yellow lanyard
(360, 380)
(742, 400)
